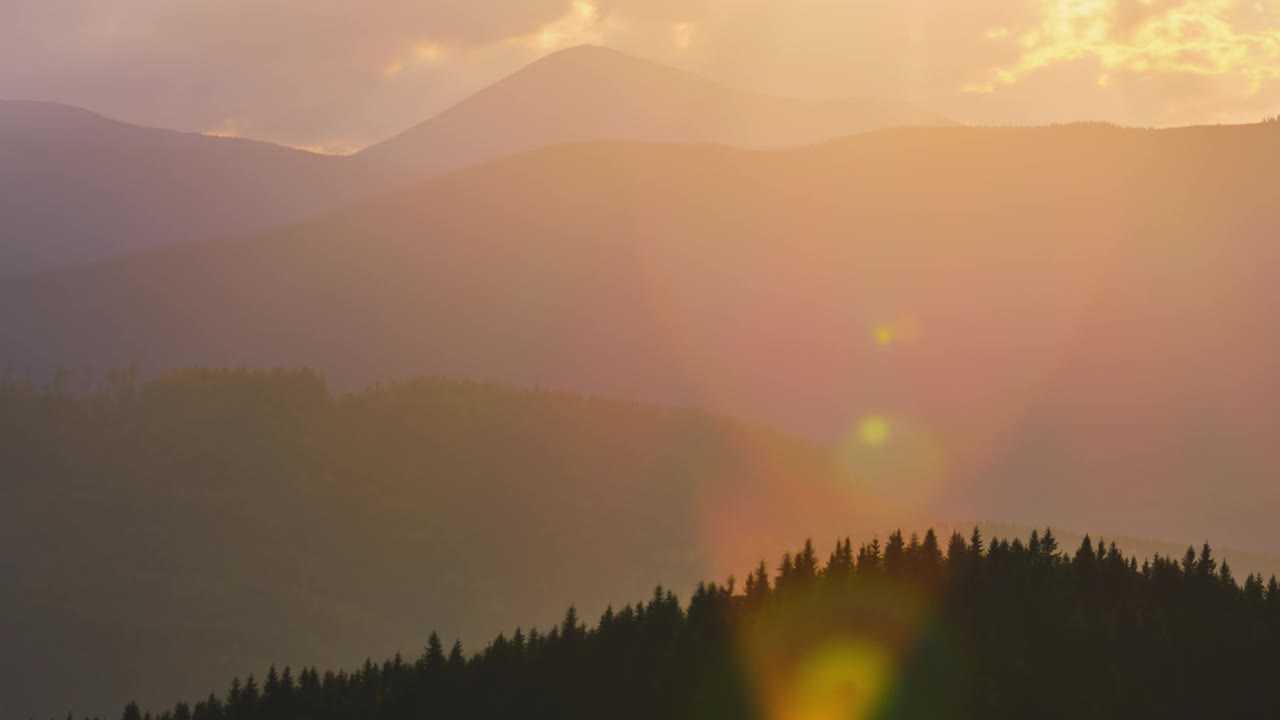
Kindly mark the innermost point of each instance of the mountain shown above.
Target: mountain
(154, 537)
(592, 93)
(1063, 325)
(75, 186)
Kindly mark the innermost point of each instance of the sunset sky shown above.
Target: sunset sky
(335, 75)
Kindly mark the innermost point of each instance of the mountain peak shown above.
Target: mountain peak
(597, 61)
(587, 50)
(589, 92)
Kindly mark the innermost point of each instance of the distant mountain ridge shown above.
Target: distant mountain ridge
(75, 186)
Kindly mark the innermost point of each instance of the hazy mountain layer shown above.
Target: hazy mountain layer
(1062, 326)
(75, 186)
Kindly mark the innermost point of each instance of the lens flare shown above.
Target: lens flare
(905, 328)
(894, 463)
(842, 680)
(874, 431)
(852, 655)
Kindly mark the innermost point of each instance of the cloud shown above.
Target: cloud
(1149, 37)
(682, 34)
(582, 24)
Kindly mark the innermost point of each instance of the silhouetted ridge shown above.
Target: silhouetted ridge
(980, 628)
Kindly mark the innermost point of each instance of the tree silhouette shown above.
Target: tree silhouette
(1029, 633)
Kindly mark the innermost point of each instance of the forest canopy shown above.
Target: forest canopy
(903, 629)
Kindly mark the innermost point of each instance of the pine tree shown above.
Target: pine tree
(806, 563)
(975, 545)
(1206, 565)
(758, 585)
(956, 549)
(930, 554)
(1225, 577)
(1085, 552)
(895, 553)
(570, 628)
(1049, 544)
(457, 661)
(433, 656)
(869, 560)
(1189, 562)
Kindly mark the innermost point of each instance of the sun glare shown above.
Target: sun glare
(843, 680)
(874, 431)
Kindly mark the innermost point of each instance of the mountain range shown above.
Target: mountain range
(75, 186)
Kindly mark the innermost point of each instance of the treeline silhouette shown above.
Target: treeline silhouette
(907, 629)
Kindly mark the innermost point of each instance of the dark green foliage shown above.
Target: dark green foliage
(1017, 631)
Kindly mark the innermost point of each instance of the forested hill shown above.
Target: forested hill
(155, 535)
(1004, 629)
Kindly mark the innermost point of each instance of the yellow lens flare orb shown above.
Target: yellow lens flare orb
(891, 462)
(845, 680)
(905, 329)
(874, 431)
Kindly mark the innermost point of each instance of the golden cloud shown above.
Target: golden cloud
(583, 24)
(682, 34)
(1195, 37)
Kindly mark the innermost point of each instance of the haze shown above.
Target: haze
(325, 325)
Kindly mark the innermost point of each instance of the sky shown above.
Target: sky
(335, 75)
